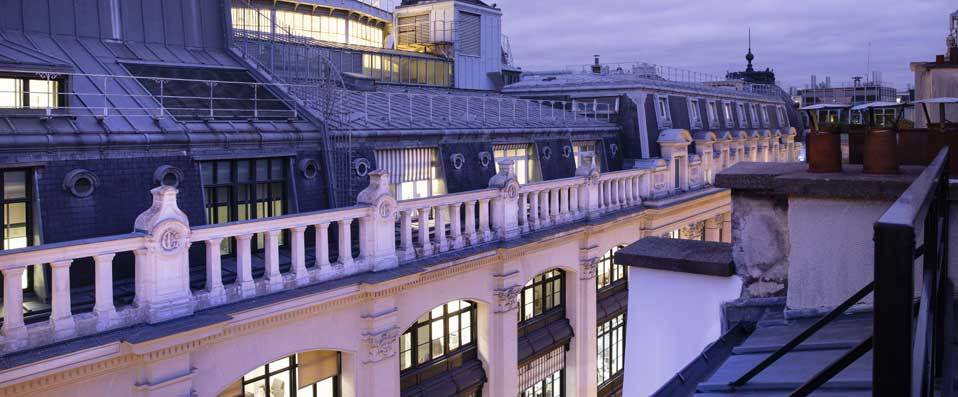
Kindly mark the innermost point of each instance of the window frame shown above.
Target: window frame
(291, 369)
(611, 331)
(28, 208)
(58, 97)
(695, 117)
(729, 117)
(663, 111)
(742, 115)
(712, 110)
(545, 280)
(425, 321)
(606, 269)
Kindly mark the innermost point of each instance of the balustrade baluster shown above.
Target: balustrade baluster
(544, 207)
(484, 230)
(574, 201)
(244, 266)
(607, 189)
(554, 215)
(564, 209)
(345, 246)
(13, 326)
(471, 234)
(601, 188)
(322, 250)
(441, 242)
(455, 225)
(407, 251)
(424, 243)
(534, 210)
(274, 280)
(523, 213)
(298, 255)
(61, 316)
(103, 284)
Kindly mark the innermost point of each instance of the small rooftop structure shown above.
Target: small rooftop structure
(687, 256)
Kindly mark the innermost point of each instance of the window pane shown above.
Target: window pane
(14, 225)
(438, 342)
(11, 93)
(257, 388)
(14, 185)
(279, 385)
(43, 94)
(279, 364)
(453, 333)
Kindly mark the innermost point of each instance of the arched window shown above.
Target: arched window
(445, 330)
(310, 374)
(608, 273)
(542, 294)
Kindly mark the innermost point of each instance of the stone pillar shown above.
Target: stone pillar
(712, 230)
(61, 317)
(505, 207)
(379, 225)
(588, 192)
(484, 232)
(299, 255)
(14, 330)
(503, 334)
(162, 267)
(274, 279)
(379, 352)
(103, 273)
(581, 312)
(244, 266)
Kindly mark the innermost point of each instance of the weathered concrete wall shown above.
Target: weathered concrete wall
(760, 244)
(682, 328)
(935, 83)
(832, 254)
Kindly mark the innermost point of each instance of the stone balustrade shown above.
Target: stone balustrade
(384, 232)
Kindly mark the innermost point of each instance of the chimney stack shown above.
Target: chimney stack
(597, 67)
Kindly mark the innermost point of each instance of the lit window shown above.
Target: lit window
(413, 173)
(444, 330)
(713, 114)
(524, 157)
(11, 93)
(578, 148)
(365, 35)
(542, 294)
(663, 109)
(32, 93)
(310, 374)
(608, 273)
(610, 338)
(754, 114)
(694, 115)
(728, 114)
(741, 116)
(544, 376)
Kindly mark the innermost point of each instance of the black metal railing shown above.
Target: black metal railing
(912, 356)
(912, 350)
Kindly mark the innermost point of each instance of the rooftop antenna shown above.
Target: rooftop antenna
(749, 57)
(868, 60)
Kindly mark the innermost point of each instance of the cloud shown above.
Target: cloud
(796, 38)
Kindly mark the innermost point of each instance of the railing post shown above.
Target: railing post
(244, 266)
(274, 279)
(214, 272)
(505, 207)
(61, 317)
(893, 322)
(298, 254)
(455, 225)
(588, 191)
(378, 227)
(14, 330)
(103, 307)
(162, 267)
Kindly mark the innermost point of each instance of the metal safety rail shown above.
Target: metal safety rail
(102, 96)
(912, 355)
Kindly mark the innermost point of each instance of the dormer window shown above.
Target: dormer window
(754, 114)
(23, 92)
(662, 106)
(694, 116)
(728, 114)
(764, 115)
(741, 115)
(781, 116)
(713, 113)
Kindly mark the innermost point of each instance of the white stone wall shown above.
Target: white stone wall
(672, 317)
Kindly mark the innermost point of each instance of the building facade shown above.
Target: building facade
(326, 198)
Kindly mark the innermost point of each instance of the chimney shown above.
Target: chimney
(596, 67)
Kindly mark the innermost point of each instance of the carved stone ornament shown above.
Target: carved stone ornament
(386, 208)
(381, 345)
(361, 166)
(485, 159)
(613, 149)
(512, 190)
(566, 151)
(547, 153)
(170, 240)
(589, 268)
(507, 299)
(458, 160)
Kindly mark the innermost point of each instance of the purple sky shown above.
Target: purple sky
(796, 38)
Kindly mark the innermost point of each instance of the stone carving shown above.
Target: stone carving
(512, 190)
(613, 149)
(566, 151)
(381, 345)
(589, 268)
(386, 208)
(547, 153)
(458, 160)
(309, 168)
(167, 175)
(80, 182)
(361, 166)
(485, 158)
(170, 240)
(507, 299)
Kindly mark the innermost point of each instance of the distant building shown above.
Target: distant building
(939, 78)
(750, 75)
(855, 93)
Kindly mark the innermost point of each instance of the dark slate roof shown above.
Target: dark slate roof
(799, 365)
(687, 256)
(13, 55)
(131, 106)
(421, 108)
(563, 81)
